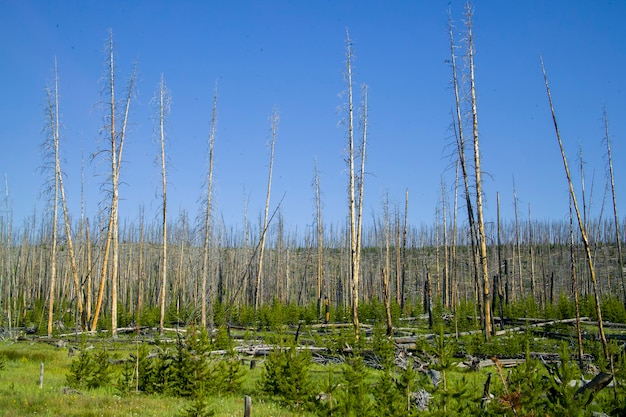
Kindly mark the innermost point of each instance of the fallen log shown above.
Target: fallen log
(533, 326)
(598, 382)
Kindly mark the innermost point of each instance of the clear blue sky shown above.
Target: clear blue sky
(291, 55)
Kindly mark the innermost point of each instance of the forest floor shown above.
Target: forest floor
(36, 372)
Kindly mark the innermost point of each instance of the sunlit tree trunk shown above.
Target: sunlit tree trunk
(207, 228)
(446, 258)
(116, 151)
(140, 271)
(352, 196)
(518, 246)
(320, 239)
(163, 100)
(479, 191)
(531, 252)
(386, 270)
(572, 262)
(581, 225)
(53, 103)
(460, 141)
(51, 153)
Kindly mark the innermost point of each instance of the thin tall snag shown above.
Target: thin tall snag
(116, 150)
(51, 150)
(54, 102)
(207, 227)
(258, 290)
(354, 246)
(618, 239)
(386, 270)
(320, 239)
(499, 286)
(581, 225)
(460, 141)
(533, 284)
(163, 100)
(404, 239)
(479, 191)
(572, 261)
(446, 262)
(361, 184)
(518, 244)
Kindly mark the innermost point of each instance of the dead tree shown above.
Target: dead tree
(581, 224)
(207, 228)
(116, 141)
(52, 164)
(162, 100)
(257, 290)
(482, 240)
(618, 239)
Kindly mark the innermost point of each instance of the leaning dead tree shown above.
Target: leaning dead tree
(581, 224)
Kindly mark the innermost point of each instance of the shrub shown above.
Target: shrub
(90, 370)
(286, 376)
(198, 408)
(226, 375)
(355, 399)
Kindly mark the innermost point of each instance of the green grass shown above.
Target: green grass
(20, 394)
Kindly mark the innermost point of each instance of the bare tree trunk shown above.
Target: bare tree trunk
(581, 167)
(258, 289)
(386, 288)
(463, 165)
(518, 245)
(583, 232)
(499, 286)
(207, 228)
(428, 297)
(51, 149)
(140, 272)
(454, 263)
(398, 253)
(163, 100)
(352, 203)
(404, 260)
(575, 285)
(479, 193)
(117, 147)
(320, 241)
(446, 254)
(53, 108)
(618, 239)
(533, 282)
(89, 277)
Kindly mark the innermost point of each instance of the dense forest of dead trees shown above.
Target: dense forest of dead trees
(185, 271)
(290, 268)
